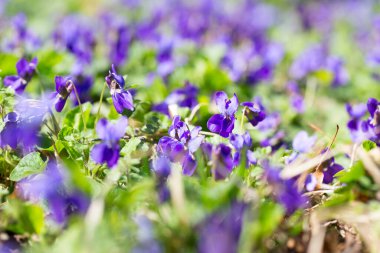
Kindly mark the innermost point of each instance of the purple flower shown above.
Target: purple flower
(309, 61)
(49, 187)
(117, 37)
(336, 66)
(181, 144)
(221, 159)
(331, 169)
(23, 37)
(369, 129)
(296, 99)
(162, 168)
(241, 143)
(165, 60)
(303, 143)
(220, 232)
(122, 99)
(274, 141)
(76, 36)
(108, 150)
(284, 191)
(223, 123)
(9, 134)
(63, 86)
(183, 97)
(25, 71)
(254, 111)
(356, 111)
(23, 125)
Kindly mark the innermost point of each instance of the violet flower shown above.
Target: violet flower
(373, 106)
(162, 168)
(181, 144)
(63, 86)
(220, 232)
(302, 143)
(165, 60)
(183, 97)
(254, 111)
(222, 162)
(108, 150)
(242, 143)
(284, 191)
(23, 125)
(25, 71)
(122, 99)
(296, 99)
(76, 36)
(117, 37)
(23, 37)
(49, 187)
(223, 123)
(369, 129)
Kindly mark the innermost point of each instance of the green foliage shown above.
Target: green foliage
(28, 165)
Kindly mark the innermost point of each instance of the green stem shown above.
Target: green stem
(100, 103)
(80, 107)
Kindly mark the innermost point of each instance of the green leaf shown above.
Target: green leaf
(29, 165)
(351, 175)
(368, 145)
(130, 146)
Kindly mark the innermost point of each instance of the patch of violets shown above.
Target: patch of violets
(181, 144)
(107, 151)
(367, 128)
(50, 187)
(25, 72)
(223, 123)
(316, 58)
(122, 99)
(182, 97)
(23, 37)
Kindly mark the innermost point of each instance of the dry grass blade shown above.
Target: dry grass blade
(300, 165)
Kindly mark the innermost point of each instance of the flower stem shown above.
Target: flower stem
(80, 107)
(242, 119)
(100, 103)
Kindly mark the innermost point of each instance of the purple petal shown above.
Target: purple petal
(123, 101)
(215, 123)
(372, 105)
(189, 165)
(194, 143)
(220, 100)
(232, 106)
